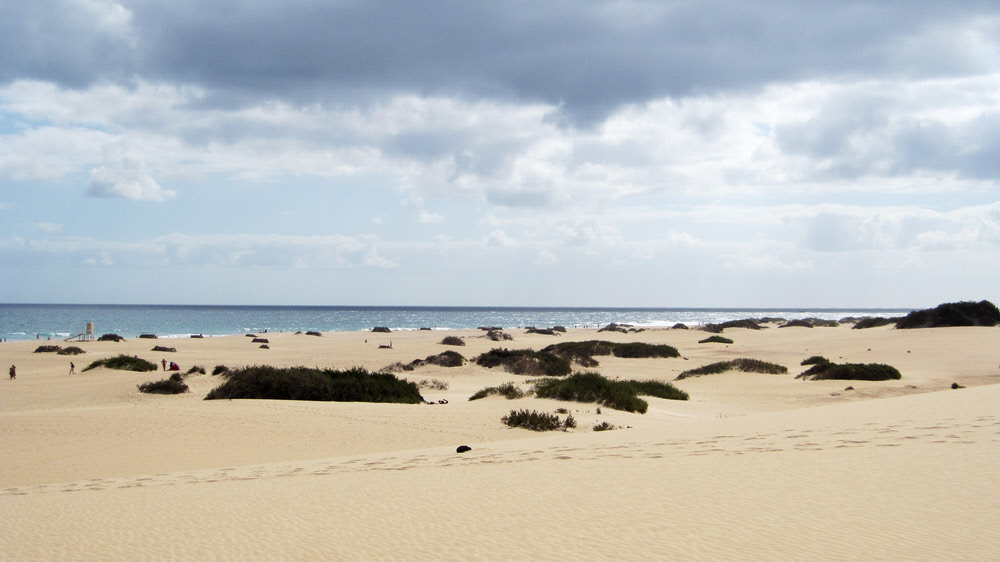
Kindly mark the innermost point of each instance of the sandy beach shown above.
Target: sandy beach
(753, 466)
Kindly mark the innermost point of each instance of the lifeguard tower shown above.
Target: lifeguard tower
(87, 335)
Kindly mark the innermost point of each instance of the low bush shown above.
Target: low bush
(498, 335)
(797, 324)
(604, 426)
(174, 385)
(535, 421)
(543, 331)
(525, 362)
(220, 369)
(815, 360)
(850, 371)
(123, 363)
(619, 395)
(260, 340)
(47, 349)
(196, 369)
(508, 390)
(317, 334)
(71, 350)
(612, 327)
(718, 328)
(148, 336)
(745, 365)
(680, 326)
(433, 384)
(583, 352)
(873, 322)
(716, 339)
(111, 337)
(165, 349)
(303, 383)
(381, 329)
(983, 313)
(453, 340)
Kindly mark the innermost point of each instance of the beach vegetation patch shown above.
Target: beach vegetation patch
(174, 385)
(381, 329)
(123, 363)
(542, 331)
(815, 360)
(111, 337)
(148, 336)
(433, 384)
(220, 370)
(612, 327)
(535, 421)
(508, 390)
(196, 370)
(583, 352)
(618, 395)
(850, 371)
(797, 324)
(71, 350)
(165, 349)
(873, 322)
(605, 426)
(716, 339)
(680, 326)
(303, 383)
(453, 340)
(743, 364)
(47, 349)
(313, 333)
(446, 359)
(747, 323)
(983, 313)
(525, 362)
(498, 335)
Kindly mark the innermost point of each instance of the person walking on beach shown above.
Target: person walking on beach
(164, 363)
(13, 372)
(72, 368)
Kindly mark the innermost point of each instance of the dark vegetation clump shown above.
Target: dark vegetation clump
(148, 336)
(543, 331)
(536, 421)
(303, 383)
(850, 371)
(317, 334)
(508, 390)
(605, 426)
(525, 362)
(816, 360)
(821, 323)
(265, 346)
(71, 350)
(452, 340)
(619, 395)
(873, 322)
(983, 313)
(583, 352)
(111, 337)
(381, 329)
(47, 349)
(197, 369)
(433, 384)
(251, 335)
(220, 370)
(718, 328)
(612, 327)
(174, 385)
(490, 328)
(446, 359)
(498, 335)
(680, 326)
(197, 336)
(559, 329)
(165, 349)
(123, 363)
(743, 364)
(716, 339)
(797, 324)
(260, 340)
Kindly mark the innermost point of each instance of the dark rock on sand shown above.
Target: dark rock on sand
(463, 448)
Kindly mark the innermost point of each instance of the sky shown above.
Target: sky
(676, 153)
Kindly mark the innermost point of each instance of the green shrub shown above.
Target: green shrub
(716, 339)
(797, 324)
(123, 363)
(302, 383)
(873, 322)
(718, 328)
(742, 364)
(446, 359)
(314, 333)
(220, 369)
(111, 337)
(196, 369)
(163, 349)
(525, 362)
(543, 331)
(452, 340)
(508, 390)
(604, 426)
(815, 360)
(47, 349)
(592, 387)
(535, 421)
(583, 352)
(850, 371)
(638, 350)
(71, 350)
(174, 385)
(983, 313)
(657, 389)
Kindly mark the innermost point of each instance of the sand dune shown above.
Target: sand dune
(752, 467)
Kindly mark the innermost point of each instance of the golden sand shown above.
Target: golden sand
(752, 467)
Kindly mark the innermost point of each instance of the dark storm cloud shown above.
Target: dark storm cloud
(589, 56)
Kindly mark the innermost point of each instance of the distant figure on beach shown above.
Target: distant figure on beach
(13, 372)
(72, 368)
(164, 362)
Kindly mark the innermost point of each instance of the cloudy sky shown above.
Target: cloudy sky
(565, 153)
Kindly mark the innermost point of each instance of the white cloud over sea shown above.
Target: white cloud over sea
(610, 155)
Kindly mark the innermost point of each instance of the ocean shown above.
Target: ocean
(60, 321)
